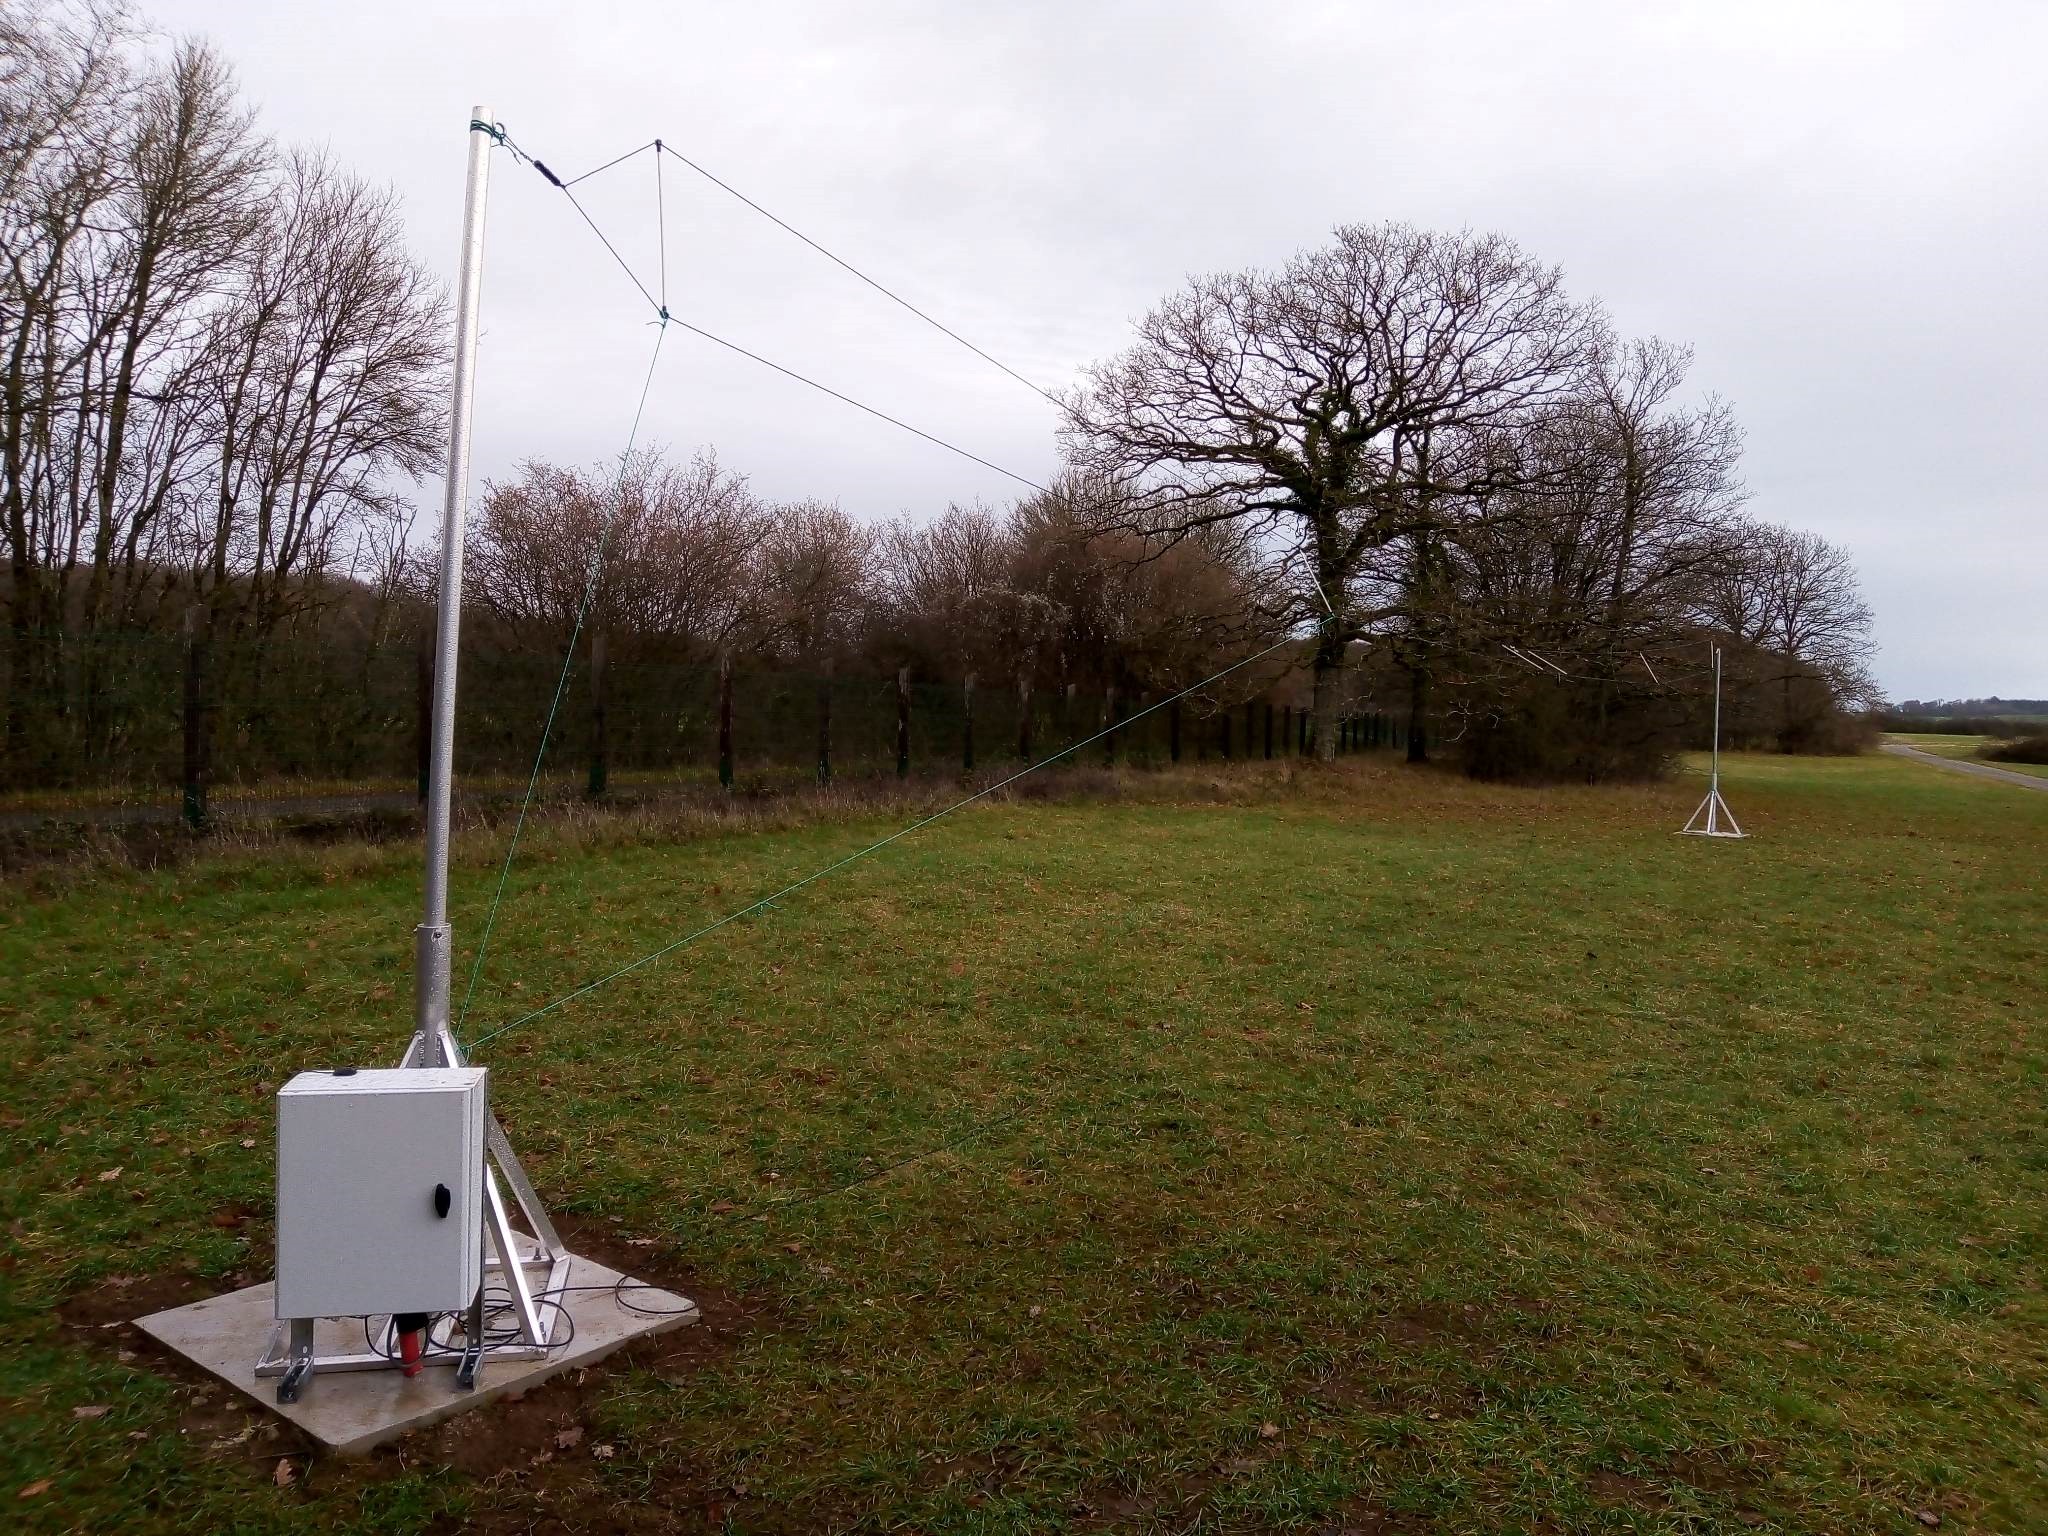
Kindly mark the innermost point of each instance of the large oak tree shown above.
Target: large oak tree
(1330, 405)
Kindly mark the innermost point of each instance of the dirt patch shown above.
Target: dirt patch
(1474, 1329)
(1697, 1469)
(1353, 1392)
(1363, 1517)
(1177, 1502)
(118, 1299)
(541, 1452)
(1624, 1488)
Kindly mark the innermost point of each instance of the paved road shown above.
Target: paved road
(1964, 765)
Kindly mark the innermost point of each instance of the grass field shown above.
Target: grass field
(1969, 748)
(1358, 1150)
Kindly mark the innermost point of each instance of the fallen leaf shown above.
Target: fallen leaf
(96, 1411)
(603, 1452)
(285, 1474)
(569, 1438)
(35, 1489)
(1038, 1311)
(110, 1175)
(720, 1207)
(1269, 1431)
(248, 1141)
(792, 1247)
(1927, 1517)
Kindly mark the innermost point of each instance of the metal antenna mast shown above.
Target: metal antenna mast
(534, 1263)
(433, 938)
(1713, 818)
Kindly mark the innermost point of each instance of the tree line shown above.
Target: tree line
(1449, 480)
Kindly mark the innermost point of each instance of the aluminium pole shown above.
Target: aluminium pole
(1715, 781)
(432, 939)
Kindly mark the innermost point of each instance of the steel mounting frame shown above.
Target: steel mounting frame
(531, 1265)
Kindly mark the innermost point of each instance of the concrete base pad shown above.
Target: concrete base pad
(351, 1411)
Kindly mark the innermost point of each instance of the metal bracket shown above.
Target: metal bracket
(472, 1345)
(294, 1379)
(530, 1265)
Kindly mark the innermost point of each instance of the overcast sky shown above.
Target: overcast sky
(1840, 206)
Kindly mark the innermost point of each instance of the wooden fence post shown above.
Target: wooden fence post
(198, 745)
(423, 709)
(1024, 716)
(825, 729)
(903, 722)
(1269, 730)
(967, 726)
(725, 719)
(1109, 724)
(1251, 726)
(600, 747)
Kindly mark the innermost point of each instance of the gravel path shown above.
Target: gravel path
(1964, 765)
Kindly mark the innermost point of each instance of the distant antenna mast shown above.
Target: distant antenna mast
(1713, 818)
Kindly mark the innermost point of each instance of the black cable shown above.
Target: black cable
(653, 144)
(666, 318)
(841, 261)
(653, 303)
(730, 346)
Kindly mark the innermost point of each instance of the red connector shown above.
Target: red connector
(412, 1340)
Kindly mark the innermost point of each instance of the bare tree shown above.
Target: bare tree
(65, 91)
(1793, 597)
(1317, 404)
(323, 391)
(1548, 606)
(677, 542)
(814, 577)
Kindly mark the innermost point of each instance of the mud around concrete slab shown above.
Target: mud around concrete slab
(349, 1412)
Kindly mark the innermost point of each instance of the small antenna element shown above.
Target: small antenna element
(1713, 818)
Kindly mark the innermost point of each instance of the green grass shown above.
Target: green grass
(1969, 748)
(1363, 1148)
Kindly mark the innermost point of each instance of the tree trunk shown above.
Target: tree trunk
(1329, 676)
